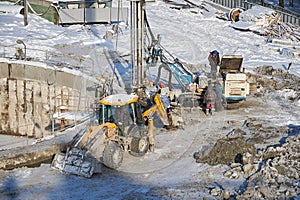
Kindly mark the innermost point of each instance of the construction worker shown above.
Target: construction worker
(209, 99)
(164, 95)
(214, 61)
(234, 14)
(219, 92)
(161, 85)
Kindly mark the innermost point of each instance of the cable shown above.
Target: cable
(17, 2)
(118, 19)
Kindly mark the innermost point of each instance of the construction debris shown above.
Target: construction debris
(267, 22)
(282, 30)
(270, 172)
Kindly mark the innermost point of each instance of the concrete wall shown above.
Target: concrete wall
(29, 95)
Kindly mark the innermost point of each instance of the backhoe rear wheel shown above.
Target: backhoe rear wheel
(113, 155)
(139, 146)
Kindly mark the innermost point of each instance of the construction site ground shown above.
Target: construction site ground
(171, 172)
(250, 151)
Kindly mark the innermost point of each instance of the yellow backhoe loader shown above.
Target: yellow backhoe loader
(124, 125)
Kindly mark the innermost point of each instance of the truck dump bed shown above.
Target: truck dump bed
(231, 64)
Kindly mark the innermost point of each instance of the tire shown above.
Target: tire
(113, 155)
(139, 146)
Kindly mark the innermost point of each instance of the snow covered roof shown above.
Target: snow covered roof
(119, 99)
(5, 7)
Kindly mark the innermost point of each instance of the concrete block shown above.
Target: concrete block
(12, 107)
(29, 95)
(4, 104)
(45, 112)
(37, 110)
(29, 108)
(17, 71)
(66, 79)
(3, 70)
(21, 107)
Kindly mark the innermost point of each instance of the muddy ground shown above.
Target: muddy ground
(256, 145)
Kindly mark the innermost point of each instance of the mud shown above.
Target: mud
(246, 139)
(225, 151)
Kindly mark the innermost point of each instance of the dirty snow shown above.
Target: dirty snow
(171, 171)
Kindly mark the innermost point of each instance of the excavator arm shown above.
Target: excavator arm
(157, 107)
(88, 138)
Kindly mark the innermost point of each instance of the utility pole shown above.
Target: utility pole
(25, 12)
(137, 9)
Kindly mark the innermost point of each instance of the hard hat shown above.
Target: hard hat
(161, 85)
(215, 52)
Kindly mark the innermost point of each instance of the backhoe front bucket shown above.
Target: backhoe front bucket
(76, 161)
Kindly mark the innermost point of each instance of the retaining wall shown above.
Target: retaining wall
(30, 95)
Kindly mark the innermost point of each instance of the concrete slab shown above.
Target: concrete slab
(21, 151)
(10, 142)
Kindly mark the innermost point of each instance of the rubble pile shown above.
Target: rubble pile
(269, 171)
(267, 22)
(278, 84)
(274, 174)
(278, 79)
(282, 30)
(239, 144)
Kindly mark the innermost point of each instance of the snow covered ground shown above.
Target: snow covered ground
(171, 171)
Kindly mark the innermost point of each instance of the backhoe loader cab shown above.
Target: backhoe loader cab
(123, 114)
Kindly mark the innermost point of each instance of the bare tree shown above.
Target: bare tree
(281, 3)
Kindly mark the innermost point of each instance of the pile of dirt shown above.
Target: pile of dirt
(225, 151)
(238, 143)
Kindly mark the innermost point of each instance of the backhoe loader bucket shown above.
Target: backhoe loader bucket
(76, 161)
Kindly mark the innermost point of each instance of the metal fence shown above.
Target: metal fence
(51, 58)
(287, 16)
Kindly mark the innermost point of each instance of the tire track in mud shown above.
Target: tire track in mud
(162, 158)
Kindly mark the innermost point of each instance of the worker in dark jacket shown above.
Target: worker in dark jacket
(214, 61)
(209, 99)
(219, 91)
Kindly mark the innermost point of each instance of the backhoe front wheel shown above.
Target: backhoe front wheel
(139, 146)
(113, 155)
